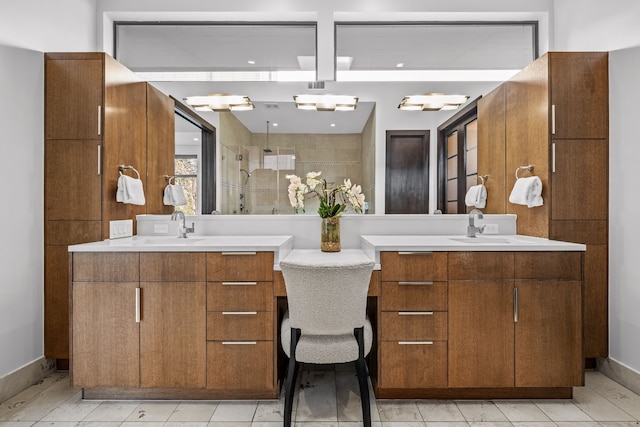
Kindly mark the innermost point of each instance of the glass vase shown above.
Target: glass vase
(330, 235)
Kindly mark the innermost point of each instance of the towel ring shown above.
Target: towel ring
(519, 168)
(483, 178)
(169, 178)
(125, 167)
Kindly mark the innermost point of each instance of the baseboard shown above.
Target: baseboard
(620, 373)
(24, 377)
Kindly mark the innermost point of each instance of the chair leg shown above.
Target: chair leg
(292, 373)
(361, 369)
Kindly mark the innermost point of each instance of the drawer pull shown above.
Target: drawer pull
(415, 253)
(239, 283)
(239, 342)
(238, 253)
(415, 313)
(240, 312)
(137, 305)
(515, 305)
(415, 342)
(415, 283)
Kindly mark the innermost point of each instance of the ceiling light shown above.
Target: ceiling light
(275, 124)
(325, 102)
(332, 125)
(432, 102)
(220, 102)
(400, 65)
(251, 62)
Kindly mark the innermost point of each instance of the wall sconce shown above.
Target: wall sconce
(220, 102)
(325, 102)
(432, 102)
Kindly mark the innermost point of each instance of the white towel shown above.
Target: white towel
(130, 190)
(476, 196)
(527, 191)
(174, 195)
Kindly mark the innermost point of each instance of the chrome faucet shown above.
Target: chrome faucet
(472, 230)
(182, 228)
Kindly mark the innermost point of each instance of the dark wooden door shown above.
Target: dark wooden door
(407, 172)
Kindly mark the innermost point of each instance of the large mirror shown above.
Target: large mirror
(379, 63)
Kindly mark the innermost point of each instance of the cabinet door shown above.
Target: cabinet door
(105, 335)
(481, 356)
(548, 334)
(173, 335)
(72, 180)
(73, 94)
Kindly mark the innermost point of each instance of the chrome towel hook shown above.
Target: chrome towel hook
(169, 178)
(519, 168)
(122, 168)
(483, 178)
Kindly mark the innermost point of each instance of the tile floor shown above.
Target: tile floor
(325, 398)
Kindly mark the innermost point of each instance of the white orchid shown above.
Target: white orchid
(330, 205)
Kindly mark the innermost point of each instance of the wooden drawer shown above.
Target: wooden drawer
(230, 266)
(548, 265)
(240, 325)
(240, 365)
(413, 325)
(398, 266)
(480, 265)
(413, 296)
(106, 267)
(172, 267)
(239, 296)
(406, 364)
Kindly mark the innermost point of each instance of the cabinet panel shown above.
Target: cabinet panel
(399, 266)
(105, 336)
(548, 340)
(596, 301)
(172, 267)
(399, 296)
(580, 181)
(413, 365)
(240, 266)
(106, 266)
(240, 325)
(240, 296)
(56, 302)
(480, 265)
(414, 326)
(239, 365)
(589, 232)
(72, 232)
(548, 265)
(73, 92)
(72, 180)
(173, 334)
(481, 356)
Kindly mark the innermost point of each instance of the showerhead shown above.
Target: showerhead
(267, 150)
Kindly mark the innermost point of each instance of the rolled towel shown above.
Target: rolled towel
(476, 196)
(130, 190)
(527, 191)
(174, 195)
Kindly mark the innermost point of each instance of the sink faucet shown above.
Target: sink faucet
(472, 229)
(182, 228)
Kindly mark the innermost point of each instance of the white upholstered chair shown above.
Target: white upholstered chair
(326, 321)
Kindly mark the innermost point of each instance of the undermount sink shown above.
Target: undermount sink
(481, 240)
(166, 241)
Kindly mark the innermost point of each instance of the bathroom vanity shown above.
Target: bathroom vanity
(197, 318)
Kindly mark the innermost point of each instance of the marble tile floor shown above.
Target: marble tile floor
(326, 397)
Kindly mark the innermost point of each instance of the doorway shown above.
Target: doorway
(407, 172)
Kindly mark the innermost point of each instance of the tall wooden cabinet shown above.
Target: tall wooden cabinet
(556, 118)
(96, 118)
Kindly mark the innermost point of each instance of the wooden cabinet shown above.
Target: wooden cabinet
(413, 320)
(240, 330)
(96, 119)
(556, 118)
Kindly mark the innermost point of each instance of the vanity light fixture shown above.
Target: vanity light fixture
(220, 102)
(432, 102)
(325, 102)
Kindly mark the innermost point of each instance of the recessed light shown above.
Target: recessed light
(196, 139)
(400, 65)
(332, 125)
(275, 124)
(251, 62)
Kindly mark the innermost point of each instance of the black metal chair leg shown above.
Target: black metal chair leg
(361, 369)
(292, 374)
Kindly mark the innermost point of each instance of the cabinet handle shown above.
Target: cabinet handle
(99, 159)
(553, 157)
(515, 305)
(237, 253)
(239, 283)
(415, 342)
(137, 305)
(415, 313)
(99, 120)
(239, 342)
(553, 119)
(415, 283)
(240, 312)
(415, 253)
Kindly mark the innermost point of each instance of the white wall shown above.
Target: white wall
(613, 26)
(28, 28)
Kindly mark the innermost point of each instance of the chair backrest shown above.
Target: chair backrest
(327, 298)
